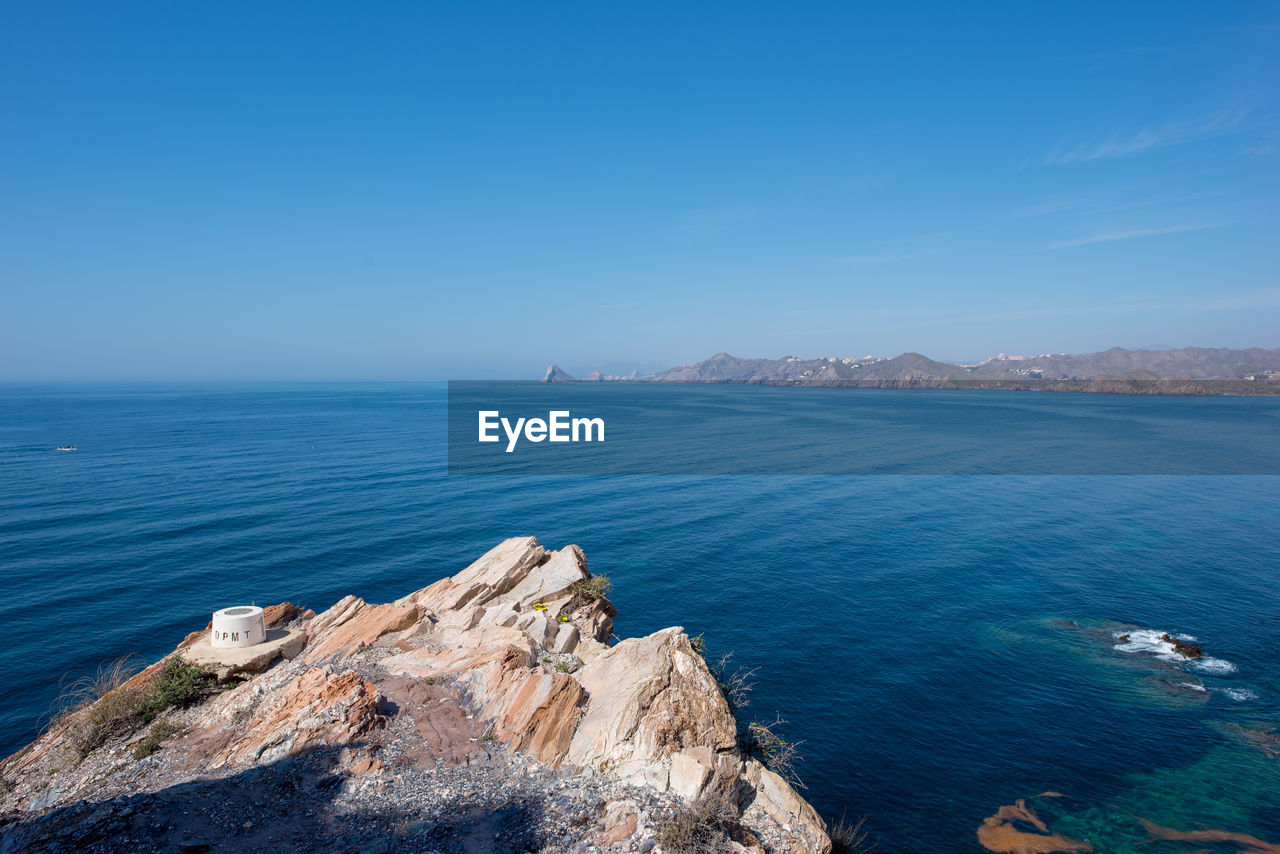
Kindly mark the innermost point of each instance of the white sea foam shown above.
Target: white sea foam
(1194, 686)
(1240, 695)
(1152, 642)
(1215, 666)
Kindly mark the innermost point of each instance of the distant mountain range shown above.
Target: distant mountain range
(1189, 363)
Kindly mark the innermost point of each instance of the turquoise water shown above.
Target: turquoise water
(941, 645)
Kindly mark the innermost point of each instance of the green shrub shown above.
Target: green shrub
(160, 730)
(179, 684)
(589, 589)
(99, 707)
(699, 644)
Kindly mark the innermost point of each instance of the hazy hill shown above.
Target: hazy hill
(725, 368)
(1188, 363)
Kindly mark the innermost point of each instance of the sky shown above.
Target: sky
(425, 191)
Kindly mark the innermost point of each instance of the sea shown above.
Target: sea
(939, 646)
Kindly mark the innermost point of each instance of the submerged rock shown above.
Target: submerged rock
(374, 714)
(1246, 843)
(1017, 829)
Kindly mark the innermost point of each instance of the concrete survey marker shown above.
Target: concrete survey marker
(235, 627)
(239, 643)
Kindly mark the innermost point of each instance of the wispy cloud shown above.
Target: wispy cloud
(1261, 149)
(1266, 144)
(1052, 207)
(1149, 139)
(1093, 205)
(1132, 234)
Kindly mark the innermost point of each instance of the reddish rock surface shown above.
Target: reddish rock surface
(505, 663)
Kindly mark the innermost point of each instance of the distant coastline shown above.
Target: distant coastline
(1172, 388)
(1191, 371)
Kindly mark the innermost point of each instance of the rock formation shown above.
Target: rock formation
(495, 694)
(557, 375)
(1181, 647)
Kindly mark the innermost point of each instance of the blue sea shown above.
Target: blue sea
(941, 645)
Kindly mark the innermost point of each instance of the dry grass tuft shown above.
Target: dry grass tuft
(93, 708)
(764, 742)
(78, 694)
(735, 686)
(851, 838)
(699, 828)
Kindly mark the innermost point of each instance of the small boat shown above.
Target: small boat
(67, 448)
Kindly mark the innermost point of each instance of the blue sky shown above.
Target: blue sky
(429, 191)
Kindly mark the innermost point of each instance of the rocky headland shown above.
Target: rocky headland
(488, 711)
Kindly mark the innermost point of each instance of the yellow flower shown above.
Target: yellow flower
(563, 618)
(541, 606)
